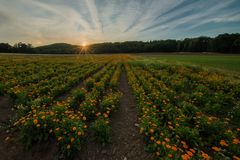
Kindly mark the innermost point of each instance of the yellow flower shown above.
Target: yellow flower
(84, 118)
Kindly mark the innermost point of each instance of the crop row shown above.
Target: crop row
(67, 121)
(176, 128)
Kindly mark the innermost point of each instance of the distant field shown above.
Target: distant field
(223, 62)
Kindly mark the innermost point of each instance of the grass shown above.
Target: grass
(229, 63)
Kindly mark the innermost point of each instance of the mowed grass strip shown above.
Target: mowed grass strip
(230, 63)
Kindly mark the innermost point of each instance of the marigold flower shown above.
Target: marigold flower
(167, 139)
(235, 141)
(168, 146)
(72, 139)
(170, 155)
(151, 130)
(216, 149)
(84, 118)
(35, 121)
(185, 157)
(190, 153)
(223, 143)
(38, 125)
(158, 142)
(74, 128)
(79, 133)
(152, 138)
(59, 138)
(174, 148)
(192, 150)
(57, 129)
(205, 155)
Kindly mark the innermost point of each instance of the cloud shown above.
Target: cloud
(90, 21)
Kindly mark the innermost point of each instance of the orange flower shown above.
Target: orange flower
(223, 143)
(235, 141)
(57, 129)
(84, 118)
(192, 150)
(152, 138)
(170, 155)
(74, 128)
(158, 142)
(79, 133)
(190, 153)
(38, 125)
(185, 146)
(205, 155)
(174, 148)
(151, 130)
(35, 121)
(216, 149)
(168, 146)
(72, 139)
(185, 157)
(167, 139)
(59, 138)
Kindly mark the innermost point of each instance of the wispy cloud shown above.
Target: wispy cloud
(48, 21)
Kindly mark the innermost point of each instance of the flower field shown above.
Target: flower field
(184, 112)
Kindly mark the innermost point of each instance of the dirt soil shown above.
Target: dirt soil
(126, 142)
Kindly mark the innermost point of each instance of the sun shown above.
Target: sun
(84, 44)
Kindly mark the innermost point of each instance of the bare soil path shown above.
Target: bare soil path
(126, 142)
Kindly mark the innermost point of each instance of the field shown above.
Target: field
(120, 107)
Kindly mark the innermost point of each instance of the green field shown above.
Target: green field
(222, 62)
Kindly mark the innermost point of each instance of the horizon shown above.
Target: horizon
(94, 21)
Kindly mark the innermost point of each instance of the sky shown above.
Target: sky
(83, 22)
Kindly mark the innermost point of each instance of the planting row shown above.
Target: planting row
(175, 127)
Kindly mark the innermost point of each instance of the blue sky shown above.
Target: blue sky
(91, 21)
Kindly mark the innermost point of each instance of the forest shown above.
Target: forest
(223, 43)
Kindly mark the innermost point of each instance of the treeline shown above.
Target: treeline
(16, 48)
(224, 43)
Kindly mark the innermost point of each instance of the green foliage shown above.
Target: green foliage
(101, 129)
